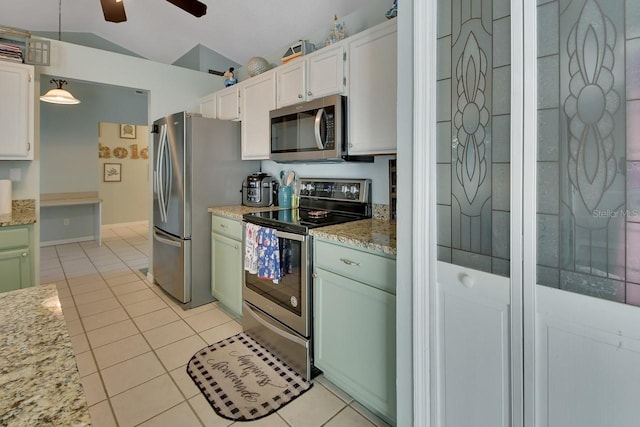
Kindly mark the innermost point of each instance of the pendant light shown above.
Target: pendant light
(59, 95)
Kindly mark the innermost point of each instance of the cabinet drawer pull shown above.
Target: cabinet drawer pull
(300, 96)
(349, 262)
(223, 226)
(24, 254)
(235, 247)
(309, 93)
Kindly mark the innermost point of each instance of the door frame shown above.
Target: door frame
(425, 221)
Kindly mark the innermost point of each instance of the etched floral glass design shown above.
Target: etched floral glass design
(588, 157)
(473, 134)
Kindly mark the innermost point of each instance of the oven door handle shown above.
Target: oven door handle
(290, 236)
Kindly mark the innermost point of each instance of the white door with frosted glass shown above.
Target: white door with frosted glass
(587, 261)
(472, 294)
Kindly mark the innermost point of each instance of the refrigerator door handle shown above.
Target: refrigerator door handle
(157, 236)
(167, 151)
(162, 178)
(158, 176)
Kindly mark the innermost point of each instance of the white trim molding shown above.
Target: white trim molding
(424, 204)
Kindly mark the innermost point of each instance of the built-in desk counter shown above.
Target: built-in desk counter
(53, 200)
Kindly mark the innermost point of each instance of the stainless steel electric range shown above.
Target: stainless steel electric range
(279, 315)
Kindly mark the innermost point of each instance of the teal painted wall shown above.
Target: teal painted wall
(201, 58)
(69, 148)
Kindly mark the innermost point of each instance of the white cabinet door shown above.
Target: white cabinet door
(372, 113)
(258, 97)
(325, 72)
(16, 111)
(208, 106)
(228, 103)
(291, 83)
(319, 74)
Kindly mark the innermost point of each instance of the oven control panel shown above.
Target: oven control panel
(338, 189)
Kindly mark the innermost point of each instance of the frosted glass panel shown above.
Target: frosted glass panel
(473, 130)
(588, 149)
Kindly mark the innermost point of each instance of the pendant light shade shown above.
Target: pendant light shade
(59, 95)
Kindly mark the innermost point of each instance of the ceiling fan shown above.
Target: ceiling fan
(114, 9)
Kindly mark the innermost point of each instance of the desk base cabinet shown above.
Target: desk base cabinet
(15, 258)
(354, 339)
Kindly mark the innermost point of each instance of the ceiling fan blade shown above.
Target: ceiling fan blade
(194, 7)
(113, 10)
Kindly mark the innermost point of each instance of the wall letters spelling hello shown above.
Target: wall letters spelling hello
(121, 152)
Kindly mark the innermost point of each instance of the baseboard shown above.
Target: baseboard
(66, 241)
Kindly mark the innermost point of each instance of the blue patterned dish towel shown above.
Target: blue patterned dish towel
(262, 252)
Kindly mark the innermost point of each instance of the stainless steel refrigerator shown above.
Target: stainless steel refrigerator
(196, 164)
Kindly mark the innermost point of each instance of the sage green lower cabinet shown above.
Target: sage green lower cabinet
(354, 326)
(15, 258)
(226, 263)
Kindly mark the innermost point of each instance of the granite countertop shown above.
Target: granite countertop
(374, 234)
(22, 212)
(39, 377)
(236, 211)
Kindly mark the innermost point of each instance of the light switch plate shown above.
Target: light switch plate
(15, 174)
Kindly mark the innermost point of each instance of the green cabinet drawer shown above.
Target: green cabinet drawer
(14, 237)
(227, 226)
(374, 270)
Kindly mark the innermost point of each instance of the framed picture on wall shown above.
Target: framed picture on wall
(127, 131)
(112, 172)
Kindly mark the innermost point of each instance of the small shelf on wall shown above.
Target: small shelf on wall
(32, 51)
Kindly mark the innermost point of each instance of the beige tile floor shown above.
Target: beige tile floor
(132, 342)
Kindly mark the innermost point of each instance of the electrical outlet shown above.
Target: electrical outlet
(66, 221)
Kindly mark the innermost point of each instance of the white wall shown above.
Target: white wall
(124, 200)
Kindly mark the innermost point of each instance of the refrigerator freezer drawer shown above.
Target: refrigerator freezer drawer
(172, 265)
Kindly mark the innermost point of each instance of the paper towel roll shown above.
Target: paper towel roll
(5, 196)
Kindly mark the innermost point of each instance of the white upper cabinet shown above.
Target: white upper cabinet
(228, 103)
(258, 97)
(313, 76)
(208, 106)
(16, 111)
(372, 60)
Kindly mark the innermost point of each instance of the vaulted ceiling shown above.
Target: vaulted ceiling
(159, 31)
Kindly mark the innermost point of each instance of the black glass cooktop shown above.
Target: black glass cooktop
(300, 220)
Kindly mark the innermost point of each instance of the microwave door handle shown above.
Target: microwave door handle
(316, 129)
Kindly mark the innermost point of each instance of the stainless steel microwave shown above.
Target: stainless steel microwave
(310, 131)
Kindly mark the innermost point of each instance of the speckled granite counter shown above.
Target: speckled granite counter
(237, 211)
(39, 378)
(373, 234)
(22, 212)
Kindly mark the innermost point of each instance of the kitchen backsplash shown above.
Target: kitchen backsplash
(378, 172)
